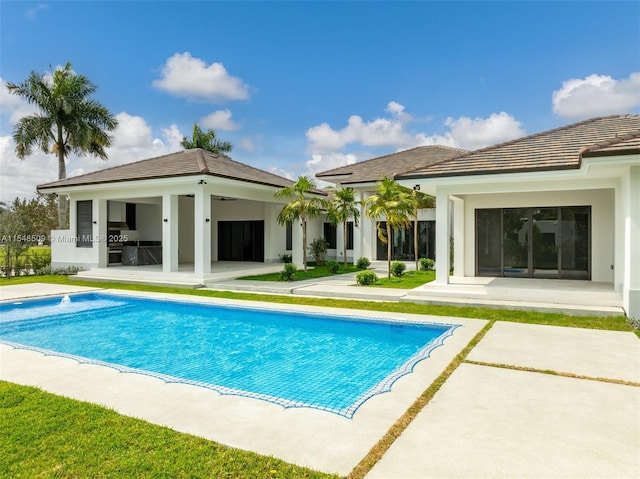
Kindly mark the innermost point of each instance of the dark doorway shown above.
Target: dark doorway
(546, 242)
(241, 241)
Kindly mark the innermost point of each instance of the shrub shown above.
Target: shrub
(366, 278)
(286, 258)
(427, 264)
(40, 260)
(318, 249)
(333, 266)
(363, 263)
(397, 268)
(288, 272)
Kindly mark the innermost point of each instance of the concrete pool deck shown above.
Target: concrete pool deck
(486, 421)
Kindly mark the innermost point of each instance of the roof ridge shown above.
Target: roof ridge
(614, 141)
(202, 164)
(246, 166)
(391, 154)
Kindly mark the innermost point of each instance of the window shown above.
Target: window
(84, 224)
(330, 234)
(349, 234)
(289, 237)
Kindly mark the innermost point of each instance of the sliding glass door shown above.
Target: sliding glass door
(546, 242)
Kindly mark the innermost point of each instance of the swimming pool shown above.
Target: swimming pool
(289, 358)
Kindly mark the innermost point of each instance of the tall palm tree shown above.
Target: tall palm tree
(341, 208)
(206, 140)
(421, 202)
(68, 121)
(301, 207)
(396, 205)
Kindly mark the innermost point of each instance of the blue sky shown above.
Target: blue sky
(301, 87)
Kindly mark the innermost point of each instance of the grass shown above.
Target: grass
(409, 280)
(43, 435)
(300, 275)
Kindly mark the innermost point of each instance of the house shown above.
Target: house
(560, 204)
(362, 177)
(186, 208)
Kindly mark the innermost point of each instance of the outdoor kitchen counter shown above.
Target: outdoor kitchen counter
(141, 255)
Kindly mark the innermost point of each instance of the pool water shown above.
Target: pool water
(289, 358)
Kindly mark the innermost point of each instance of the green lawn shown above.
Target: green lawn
(311, 273)
(409, 280)
(43, 435)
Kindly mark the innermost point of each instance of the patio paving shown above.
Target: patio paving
(489, 422)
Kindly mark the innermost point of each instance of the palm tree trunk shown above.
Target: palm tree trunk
(62, 200)
(415, 240)
(304, 244)
(344, 242)
(389, 240)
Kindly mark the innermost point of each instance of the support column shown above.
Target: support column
(169, 233)
(442, 237)
(458, 236)
(631, 291)
(296, 244)
(202, 233)
(100, 230)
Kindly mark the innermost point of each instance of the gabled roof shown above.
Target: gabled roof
(183, 163)
(372, 170)
(558, 149)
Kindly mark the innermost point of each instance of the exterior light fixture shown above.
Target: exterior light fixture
(416, 188)
(165, 220)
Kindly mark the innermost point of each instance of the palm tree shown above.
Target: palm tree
(301, 207)
(206, 140)
(421, 202)
(68, 121)
(396, 205)
(341, 208)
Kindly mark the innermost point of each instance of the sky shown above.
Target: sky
(303, 87)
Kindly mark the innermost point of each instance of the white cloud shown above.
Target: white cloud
(246, 143)
(132, 131)
(327, 145)
(12, 105)
(132, 141)
(280, 172)
(219, 120)
(476, 133)
(596, 95)
(378, 132)
(32, 13)
(329, 161)
(186, 76)
(397, 110)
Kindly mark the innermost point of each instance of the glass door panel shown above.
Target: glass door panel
(575, 251)
(489, 242)
(515, 227)
(545, 241)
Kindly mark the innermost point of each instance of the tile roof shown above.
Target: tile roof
(558, 149)
(183, 163)
(372, 170)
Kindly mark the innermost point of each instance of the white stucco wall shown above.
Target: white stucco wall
(602, 222)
